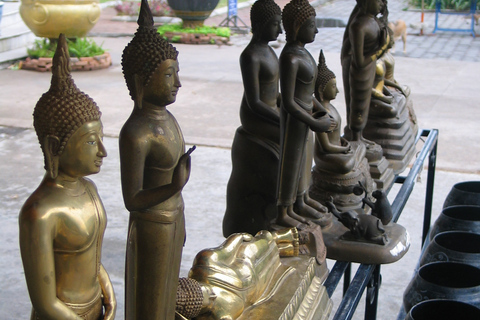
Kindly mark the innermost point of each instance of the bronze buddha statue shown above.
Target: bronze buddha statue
(251, 191)
(154, 170)
(333, 153)
(63, 222)
(300, 112)
(255, 150)
(339, 164)
(364, 42)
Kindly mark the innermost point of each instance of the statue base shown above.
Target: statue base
(301, 294)
(340, 186)
(380, 169)
(396, 134)
(341, 247)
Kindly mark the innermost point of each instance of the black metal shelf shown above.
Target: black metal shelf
(368, 275)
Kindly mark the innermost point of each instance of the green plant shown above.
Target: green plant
(219, 31)
(458, 5)
(85, 47)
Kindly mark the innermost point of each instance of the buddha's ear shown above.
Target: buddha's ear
(138, 90)
(51, 147)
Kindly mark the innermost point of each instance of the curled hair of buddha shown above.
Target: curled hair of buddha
(189, 300)
(63, 108)
(145, 52)
(324, 75)
(263, 11)
(294, 14)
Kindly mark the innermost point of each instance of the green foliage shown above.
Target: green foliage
(221, 32)
(85, 47)
(458, 5)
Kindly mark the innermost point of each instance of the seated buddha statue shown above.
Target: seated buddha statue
(392, 121)
(154, 170)
(333, 153)
(300, 112)
(339, 164)
(63, 222)
(385, 88)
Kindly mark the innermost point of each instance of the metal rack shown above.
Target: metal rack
(368, 275)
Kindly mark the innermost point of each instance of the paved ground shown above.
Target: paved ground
(444, 91)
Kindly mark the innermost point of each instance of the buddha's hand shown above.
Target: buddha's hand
(181, 174)
(347, 145)
(323, 122)
(108, 295)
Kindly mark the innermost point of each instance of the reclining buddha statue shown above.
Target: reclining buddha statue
(260, 277)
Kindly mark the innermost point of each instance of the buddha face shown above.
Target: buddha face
(373, 7)
(272, 28)
(331, 90)
(307, 31)
(84, 151)
(164, 84)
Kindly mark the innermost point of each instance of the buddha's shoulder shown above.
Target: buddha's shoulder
(42, 204)
(135, 127)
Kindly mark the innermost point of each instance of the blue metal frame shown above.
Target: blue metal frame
(368, 276)
(438, 11)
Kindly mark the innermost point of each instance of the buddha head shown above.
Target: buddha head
(265, 17)
(297, 15)
(326, 82)
(63, 117)
(372, 7)
(148, 61)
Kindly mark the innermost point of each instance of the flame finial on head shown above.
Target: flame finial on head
(143, 55)
(63, 108)
(324, 75)
(145, 17)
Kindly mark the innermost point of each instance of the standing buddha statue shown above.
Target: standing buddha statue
(154, 170)
(300, 112)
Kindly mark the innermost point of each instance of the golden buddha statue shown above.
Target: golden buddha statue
(154, 170)
(249, 278)
(391, 120)
(299, 113)
(62, 223)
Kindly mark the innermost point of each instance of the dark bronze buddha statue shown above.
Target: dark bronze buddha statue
(363, 43)
(300, 112)
(251, 191)
(339, 164)
(154, 170)
(62, 223)
(255, 149)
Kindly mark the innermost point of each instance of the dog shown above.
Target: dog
(399, 29)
